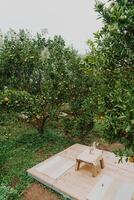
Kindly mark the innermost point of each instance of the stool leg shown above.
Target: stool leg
(77, 166)
(94, 171)
(102, 163)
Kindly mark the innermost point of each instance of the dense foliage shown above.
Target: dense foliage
(112, 58)
(35, 75)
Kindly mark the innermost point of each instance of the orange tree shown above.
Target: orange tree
(112, 60)
(34, 76)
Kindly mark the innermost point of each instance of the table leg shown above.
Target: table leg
(94, 171)
(102, 163)
(77, 165)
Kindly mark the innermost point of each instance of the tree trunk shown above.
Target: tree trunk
(40, 128)
(40, 123)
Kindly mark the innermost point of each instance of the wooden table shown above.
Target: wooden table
(91, 159)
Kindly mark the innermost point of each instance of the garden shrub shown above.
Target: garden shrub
(111, 58)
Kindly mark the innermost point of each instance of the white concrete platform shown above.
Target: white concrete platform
(114, 182)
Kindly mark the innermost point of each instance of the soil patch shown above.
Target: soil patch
(40, 153)
(36, 192)
(111, 147)
(14, 182)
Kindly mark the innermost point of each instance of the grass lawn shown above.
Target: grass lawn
(21, 147)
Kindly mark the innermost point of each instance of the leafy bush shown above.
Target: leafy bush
(111, 58)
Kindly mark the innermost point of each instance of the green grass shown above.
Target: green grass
(21, 147)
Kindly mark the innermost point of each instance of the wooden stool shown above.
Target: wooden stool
(90, 159)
